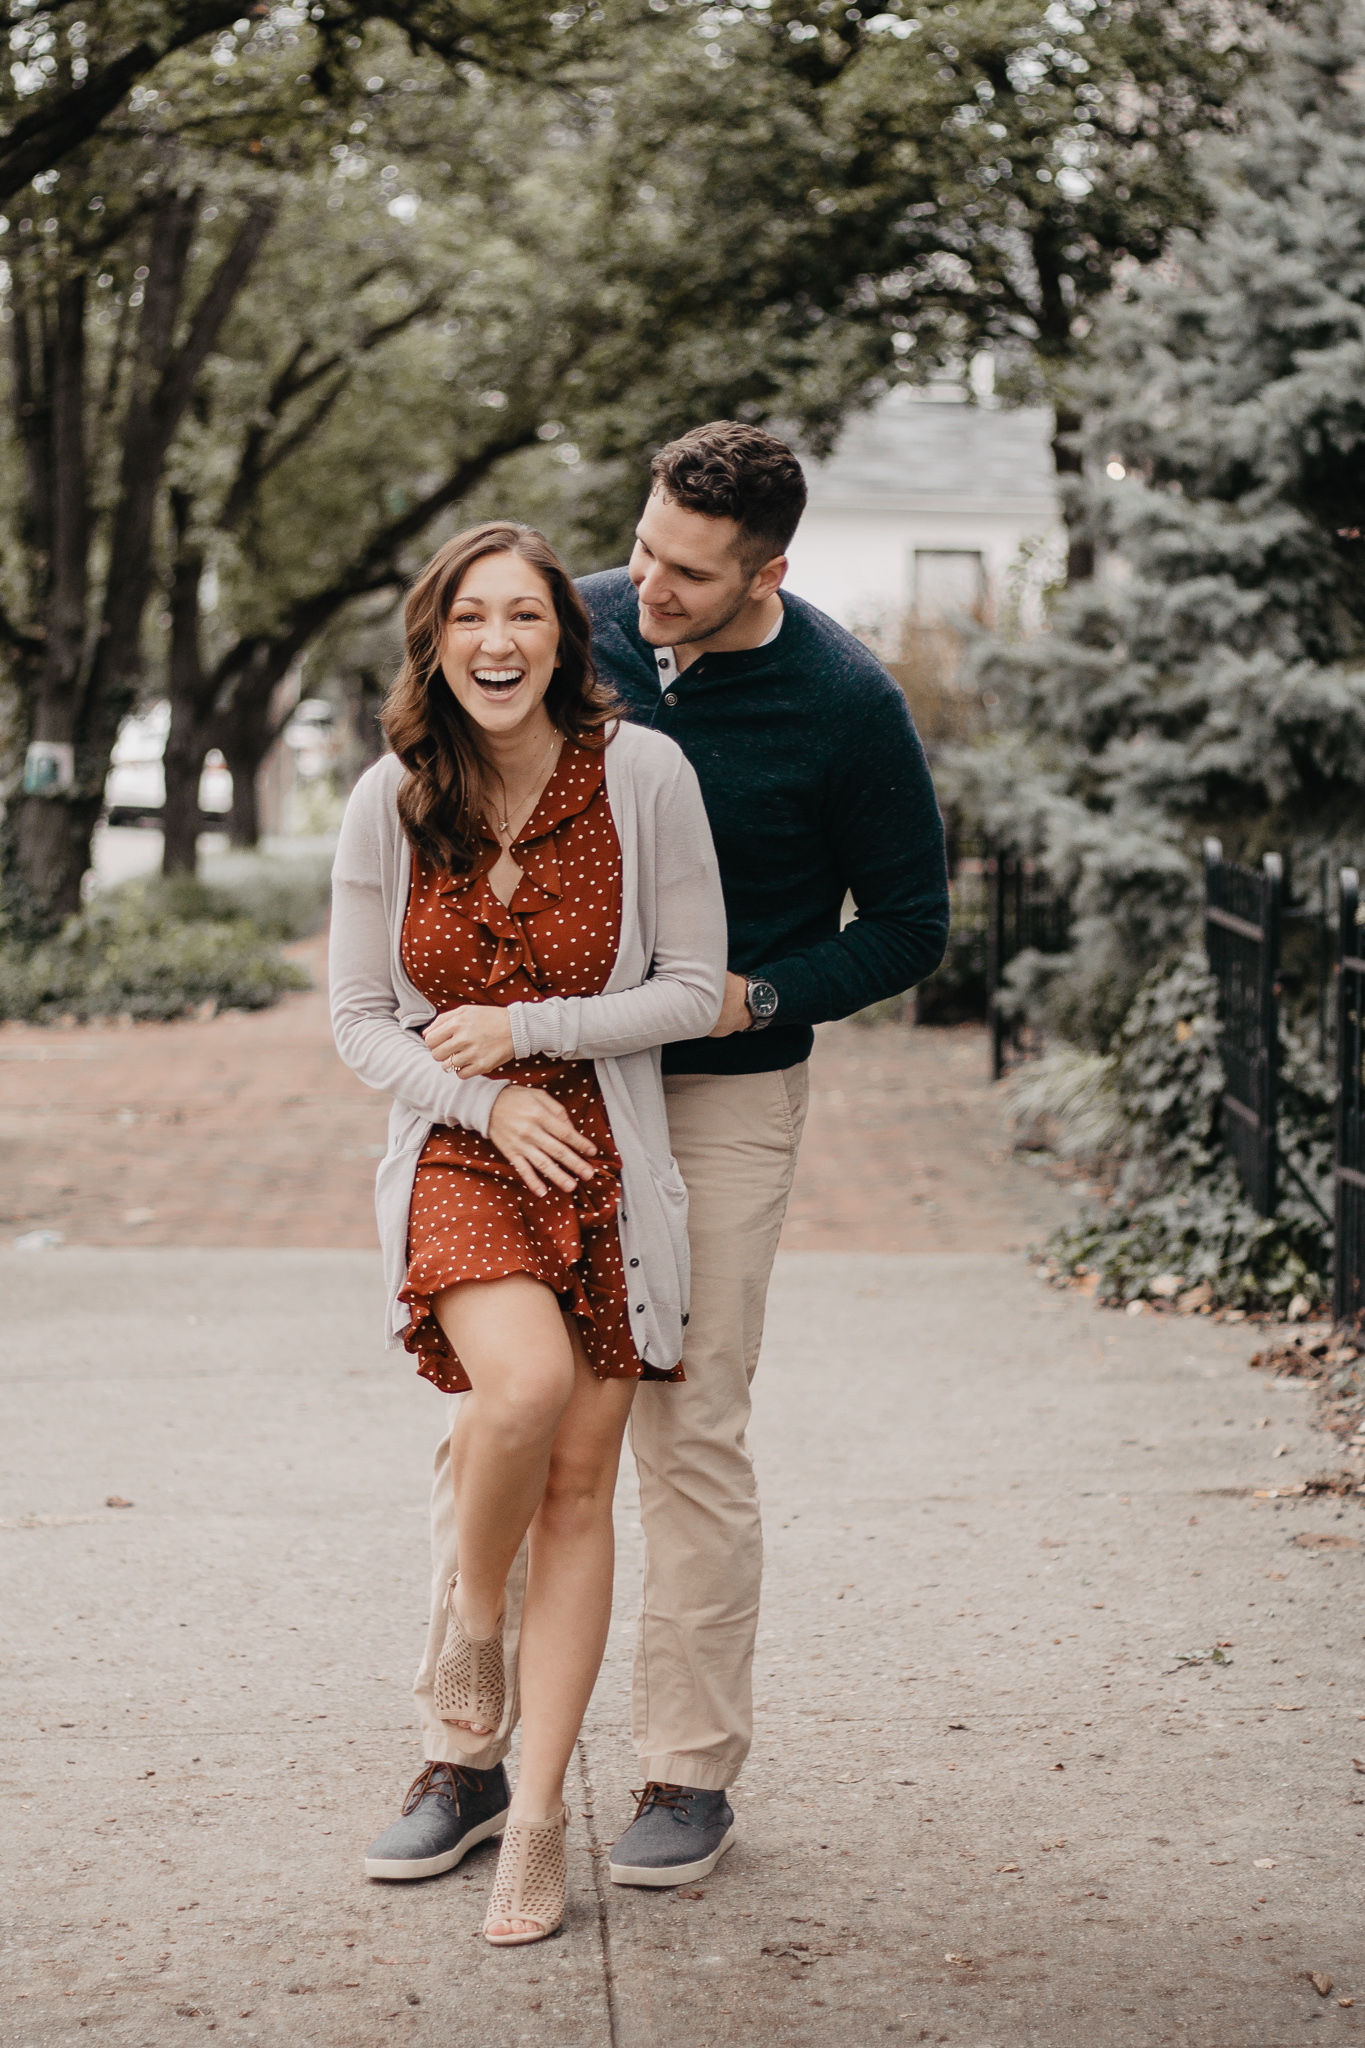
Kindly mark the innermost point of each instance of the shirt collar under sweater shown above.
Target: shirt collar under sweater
(667, 657)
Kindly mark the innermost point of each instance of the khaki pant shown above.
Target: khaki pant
(735, 1138)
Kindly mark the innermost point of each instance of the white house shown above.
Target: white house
(924, 508)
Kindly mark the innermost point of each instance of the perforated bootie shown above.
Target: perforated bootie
(471, 1682)
(532, 1879)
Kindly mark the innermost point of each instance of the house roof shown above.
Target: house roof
(910, 451)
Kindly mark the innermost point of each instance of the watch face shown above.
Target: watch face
(762, 999)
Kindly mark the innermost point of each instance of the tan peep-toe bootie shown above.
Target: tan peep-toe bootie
(532, 1878)
(471, 1683)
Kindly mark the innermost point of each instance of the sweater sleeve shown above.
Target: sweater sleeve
(886, 842)
(682, 996)
(366, 1010)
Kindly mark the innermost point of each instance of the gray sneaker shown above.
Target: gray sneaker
(447, 1812)
(678, 1834)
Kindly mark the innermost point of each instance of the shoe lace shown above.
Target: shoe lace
(675, 1797)
(445, 1780)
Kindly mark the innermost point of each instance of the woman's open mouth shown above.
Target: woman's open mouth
(498, 682)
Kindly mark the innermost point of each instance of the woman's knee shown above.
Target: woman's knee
(525, 1402)
(579, 1490)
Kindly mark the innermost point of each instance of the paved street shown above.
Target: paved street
(989, 1807)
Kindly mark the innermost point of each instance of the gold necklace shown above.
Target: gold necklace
(504, 827)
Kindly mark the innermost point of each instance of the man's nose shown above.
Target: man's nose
(654, 588)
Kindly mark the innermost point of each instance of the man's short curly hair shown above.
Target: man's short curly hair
(728, 470)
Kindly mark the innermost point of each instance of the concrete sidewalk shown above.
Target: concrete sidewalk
(987, 1806)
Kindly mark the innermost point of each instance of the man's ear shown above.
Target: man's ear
(768, 579)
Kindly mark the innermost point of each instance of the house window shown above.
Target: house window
(949, 582)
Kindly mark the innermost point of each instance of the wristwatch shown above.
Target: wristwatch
(761, 1000)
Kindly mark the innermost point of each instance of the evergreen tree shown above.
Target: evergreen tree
(1215, 681)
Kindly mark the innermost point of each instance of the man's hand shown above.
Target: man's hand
(734, 1011)
(534, 1134)
(475, 1039)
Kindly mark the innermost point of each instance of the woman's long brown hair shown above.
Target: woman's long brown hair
(441, 798)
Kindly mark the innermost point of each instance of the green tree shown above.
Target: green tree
(74, 68)
(119, 284)
(1218, 686)
(465, 304)
(958, 174)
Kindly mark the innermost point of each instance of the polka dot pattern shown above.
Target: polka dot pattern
(471, 1217)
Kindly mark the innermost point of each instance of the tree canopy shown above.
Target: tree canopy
(1218, 685)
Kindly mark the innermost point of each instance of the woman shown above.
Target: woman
(526, 906)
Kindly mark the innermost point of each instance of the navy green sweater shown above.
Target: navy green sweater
(816, 787)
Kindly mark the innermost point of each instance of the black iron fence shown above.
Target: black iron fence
(1242, 939)
(1348, 1283)
(1025, 911)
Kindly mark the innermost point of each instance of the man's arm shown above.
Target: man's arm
(884, 827)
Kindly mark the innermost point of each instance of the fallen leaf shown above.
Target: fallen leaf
(1359, 1762)
(1310, 1541)
(1284, 1707)
(116, 1500)
(1320, 1982)
(1005, 1866)
(964, 1961)
(1264, 1863)
(689, 1895)
(189, 2012)
(1345, 2001)
(1059, 1767)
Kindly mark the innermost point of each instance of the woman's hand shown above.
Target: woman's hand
(472, 1040)
(534, 1134)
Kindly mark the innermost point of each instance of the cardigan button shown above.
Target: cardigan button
(635, 1262)
(639, 1308)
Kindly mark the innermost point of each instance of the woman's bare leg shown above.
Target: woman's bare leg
(511, 1339)
(567, 1607)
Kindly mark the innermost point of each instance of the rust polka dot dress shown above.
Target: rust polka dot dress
(472, 1218)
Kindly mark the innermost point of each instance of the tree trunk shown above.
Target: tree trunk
(52, 832)
(244, 760)
(1070, 467)
(191, 693)
(180, 819)
(82, 697)
(52, 837)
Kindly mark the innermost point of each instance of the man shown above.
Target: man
(816, 788)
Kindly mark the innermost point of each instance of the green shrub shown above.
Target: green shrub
(1177, 1209)
(147, 950)
(285, 897)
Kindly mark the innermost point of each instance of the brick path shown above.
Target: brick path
(248, 1131)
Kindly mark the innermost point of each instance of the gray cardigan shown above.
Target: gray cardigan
(667, 984)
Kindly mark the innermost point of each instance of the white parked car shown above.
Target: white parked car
(135, 791)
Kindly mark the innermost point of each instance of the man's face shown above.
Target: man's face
(689, 580)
